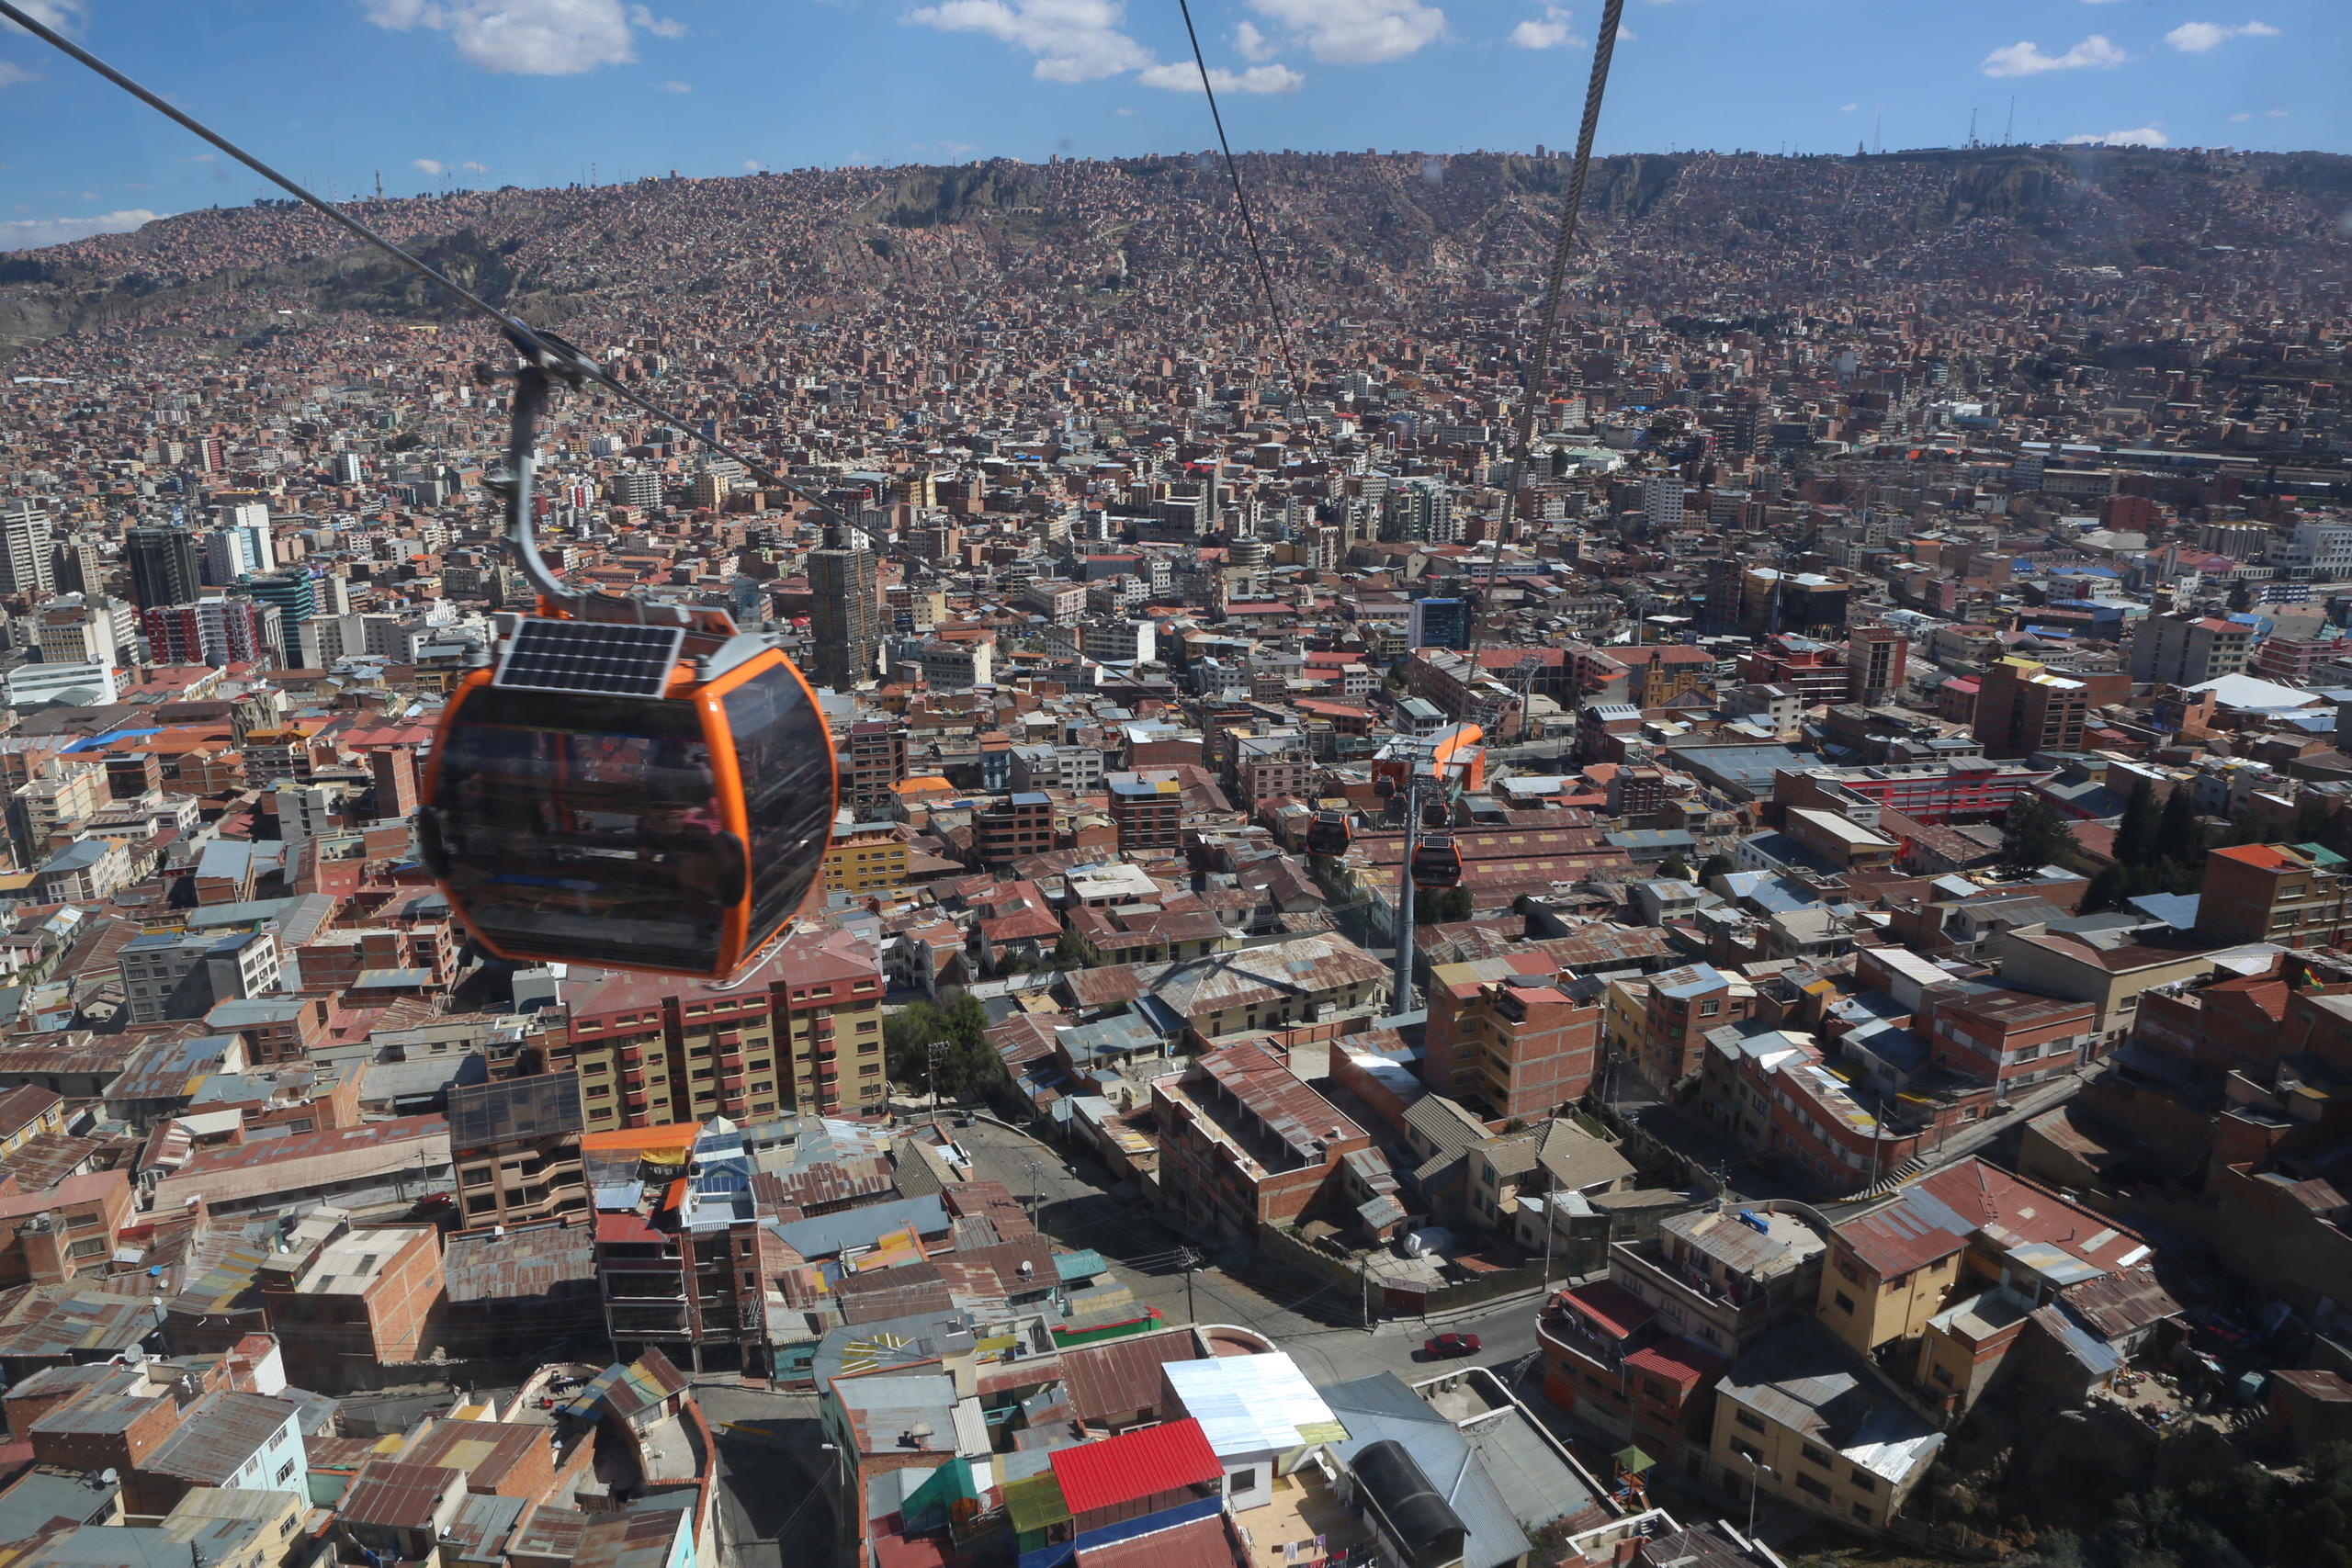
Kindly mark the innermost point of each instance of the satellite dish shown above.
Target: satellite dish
(107, 1477)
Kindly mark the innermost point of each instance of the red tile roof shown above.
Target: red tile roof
(1135, 1464)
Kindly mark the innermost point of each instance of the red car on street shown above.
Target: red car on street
(1446, 1345)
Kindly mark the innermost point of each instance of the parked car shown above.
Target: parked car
(1448, 1345)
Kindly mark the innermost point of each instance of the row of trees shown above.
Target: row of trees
(2157, 849)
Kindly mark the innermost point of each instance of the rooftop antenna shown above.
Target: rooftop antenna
(1971, 124)
(379, 184)
(2009, 124)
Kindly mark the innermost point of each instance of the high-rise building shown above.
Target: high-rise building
(25, 550)
(216, 630)
(1876, 660)
(843, 618)
(2187, 650)
(292, 592)
(162, 564)
(349, 468)
(76, 566)
(1438, 623)
(2023, 708)
(1662, 502)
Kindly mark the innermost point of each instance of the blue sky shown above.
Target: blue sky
(538, 92)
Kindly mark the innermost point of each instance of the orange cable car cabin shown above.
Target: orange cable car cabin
(606, 796)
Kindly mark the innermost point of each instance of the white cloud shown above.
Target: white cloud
(2196, 38)
(753, 165)
(1074, 41)
(675, 87)
(429, 166)
(10, 74)
(29, 233)
(529, 37)
(64, 16)
(2277, 113)
(1122, 113)
(1183, 76)
(474, 168)
(1357, 32)
(2146, 136)
(1251, 43)
(2241, 118)
(1627, 35)
(1548, 31)
(1847, 109)
(2027, 59)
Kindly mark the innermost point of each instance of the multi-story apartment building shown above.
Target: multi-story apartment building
(2023, 708)
(350, 1305)
(866, 857)
(2279, 893)
(1511, 1036)
(876, 762)
(514, 1144)
(1148, 809)
(1019, 826)
(1246, 1144)
(2187, 650)
(803, 1031)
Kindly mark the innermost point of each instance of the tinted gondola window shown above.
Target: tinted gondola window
(785, 755)
(585, 828)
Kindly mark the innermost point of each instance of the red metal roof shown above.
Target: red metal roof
(1610, 1307)
(1135, 1464)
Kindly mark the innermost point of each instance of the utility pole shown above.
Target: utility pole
(1191, 1260)
(1036, 1171)
(931, 1078)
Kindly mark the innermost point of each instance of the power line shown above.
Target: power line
(543, 346)
(1536, 372)
(1241, 199)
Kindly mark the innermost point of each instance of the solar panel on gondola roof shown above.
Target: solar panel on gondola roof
(590, 656)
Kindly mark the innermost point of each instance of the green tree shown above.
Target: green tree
(1072, 952)
(2033, 836)
(2180, 833)
(1674, 868)
(1717, 864)
(2313, 815)
(2241, 597)
(1442, 906)
(2135, 834)
(2107, 890)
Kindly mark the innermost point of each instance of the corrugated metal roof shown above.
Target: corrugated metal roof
(486, 1114)
(1113, 1471)
(1249, 1405)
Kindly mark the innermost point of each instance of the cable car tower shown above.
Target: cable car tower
(1426, 771)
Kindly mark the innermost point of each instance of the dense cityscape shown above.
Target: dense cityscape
(1766, 987)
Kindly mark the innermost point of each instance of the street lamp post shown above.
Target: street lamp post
(1756, 1471)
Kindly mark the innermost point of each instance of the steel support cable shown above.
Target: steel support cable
(1248, 223)
(1537, 371)
(551, 351)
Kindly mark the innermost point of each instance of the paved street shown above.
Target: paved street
(1304, 1317)
(776, 1486)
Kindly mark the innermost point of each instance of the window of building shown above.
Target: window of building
(869, 1072)
(1845, 1302)
(1748, 1451)
(1943, 1376)
(1814, 1455)
(1861, 1513)
(1813, 1488)
(481, 1204)
(1745, 1418)
(1863, 1479)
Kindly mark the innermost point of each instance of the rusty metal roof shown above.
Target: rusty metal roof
(528, 1262)
(397, 1496)
(219, 1434)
